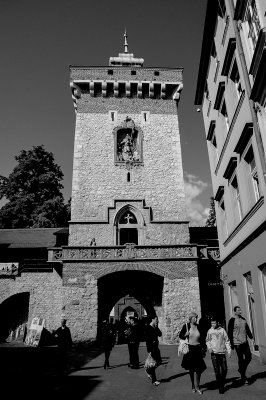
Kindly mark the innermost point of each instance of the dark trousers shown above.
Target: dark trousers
(244, 357)
(107, 352)
(133, 349)
(220, 368)
(62, 360)
(152, 375)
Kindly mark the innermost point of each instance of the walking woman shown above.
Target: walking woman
(193, 361)
(152, 343)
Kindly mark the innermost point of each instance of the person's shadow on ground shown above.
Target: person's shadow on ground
(170, 378)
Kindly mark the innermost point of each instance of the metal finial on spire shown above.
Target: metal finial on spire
(126, 45)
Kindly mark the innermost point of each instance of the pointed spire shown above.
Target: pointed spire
(126, 45)
(126, 59)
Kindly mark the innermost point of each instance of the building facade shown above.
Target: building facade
(130, 248)
(231, 89)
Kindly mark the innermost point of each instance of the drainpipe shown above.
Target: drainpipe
(248, 87)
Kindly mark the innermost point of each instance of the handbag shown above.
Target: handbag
(183, 346)
(150, 362)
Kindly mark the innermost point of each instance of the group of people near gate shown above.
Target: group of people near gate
(198, 340)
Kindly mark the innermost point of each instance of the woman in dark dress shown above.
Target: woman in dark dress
(193, 361)
(152, 343)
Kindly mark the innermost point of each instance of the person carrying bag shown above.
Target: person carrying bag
(193, 359)
(154, 357)
(183, 345)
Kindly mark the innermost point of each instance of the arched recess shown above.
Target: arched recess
(14, 312)
(145, 287)
(128, 226)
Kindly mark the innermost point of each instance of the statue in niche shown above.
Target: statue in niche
(128, 142)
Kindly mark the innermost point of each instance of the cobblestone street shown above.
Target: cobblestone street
(88, 380)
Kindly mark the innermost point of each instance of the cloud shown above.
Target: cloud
(197, 213)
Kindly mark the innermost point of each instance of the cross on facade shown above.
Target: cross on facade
(128, 218)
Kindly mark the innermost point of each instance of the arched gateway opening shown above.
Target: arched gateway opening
(14, 315)
(139, 292)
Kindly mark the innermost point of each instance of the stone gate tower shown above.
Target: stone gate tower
(128, 235)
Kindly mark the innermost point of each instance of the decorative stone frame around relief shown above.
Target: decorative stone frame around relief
(128, 123)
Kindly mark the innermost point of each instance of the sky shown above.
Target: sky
(41, 38)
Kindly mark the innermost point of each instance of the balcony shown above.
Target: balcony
(131, 252)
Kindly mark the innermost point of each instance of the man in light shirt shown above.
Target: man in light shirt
(218, 345)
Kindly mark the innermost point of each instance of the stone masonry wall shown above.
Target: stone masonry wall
(46, 295)
(152, 234)
(180, 294)
(120, 73)
(180, 297)
(97, 181)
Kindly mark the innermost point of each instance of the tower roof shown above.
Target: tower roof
(126, 59)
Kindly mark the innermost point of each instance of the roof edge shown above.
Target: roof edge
(209, 27)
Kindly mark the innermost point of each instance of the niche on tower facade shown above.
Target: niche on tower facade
(128, 144)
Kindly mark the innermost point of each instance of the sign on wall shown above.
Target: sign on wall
(34, 333)
(9, 268)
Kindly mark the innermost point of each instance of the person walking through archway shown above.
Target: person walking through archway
(152, 343)
(132, 336)
(108, 340)
(193, 360)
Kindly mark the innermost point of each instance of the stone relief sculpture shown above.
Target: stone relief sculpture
(128, 142)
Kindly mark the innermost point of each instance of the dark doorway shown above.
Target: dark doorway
(128, 235)
(14, 316)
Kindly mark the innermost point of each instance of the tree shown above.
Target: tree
(33, 192)
(211, 220)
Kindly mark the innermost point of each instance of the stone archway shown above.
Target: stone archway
(145, 287)
(14, 314)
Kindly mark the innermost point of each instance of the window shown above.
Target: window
(263, 275)
(253, 174)
(223, 218)
(221, 8)
(127, 228)
(219, 197)
(145, 115)
(110, 72)
(113, 115)
(211, 137)
(237, 206)
(233, 295)
(223, 111)
(235, 77)
(252, 18)
(206, 91)
(220, 104)
(156, 73)
(251, 307)
(133, 72)
(213, 50)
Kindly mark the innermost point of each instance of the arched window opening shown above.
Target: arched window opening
(127, 228)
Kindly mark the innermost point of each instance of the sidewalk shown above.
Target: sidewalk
(88, 380)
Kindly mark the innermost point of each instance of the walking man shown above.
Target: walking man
(64, 342)
(218, 344)
(132, 335)
(238, 332)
